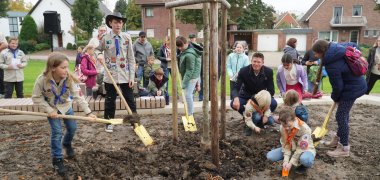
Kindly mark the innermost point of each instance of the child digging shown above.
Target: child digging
(257, 112)
(157, 84)
(297, 147)
(54, 91)
(291, 100)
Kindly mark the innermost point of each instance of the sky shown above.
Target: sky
(300, 6)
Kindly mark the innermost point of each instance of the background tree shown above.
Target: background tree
(28, 29)
(121, 6)
(3, 8)
(133, 15)
(191, 16)
(18, 5)
(86, 15)
(257, 15)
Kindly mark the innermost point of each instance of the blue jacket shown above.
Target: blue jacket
(345, 85)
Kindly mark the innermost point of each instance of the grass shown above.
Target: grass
(36, 67)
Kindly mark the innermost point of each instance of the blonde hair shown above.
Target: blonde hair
(54, 60)
(13, 38)
(150, 58)
(88, 47)
(263, 98)
(291, 97)
(159, 71)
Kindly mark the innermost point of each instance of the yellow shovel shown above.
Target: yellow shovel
(188, 121)
(320, 132)
(139, 129)
(99, 120)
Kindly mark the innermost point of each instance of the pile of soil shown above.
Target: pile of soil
(25, 151)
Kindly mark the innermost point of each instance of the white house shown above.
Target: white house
(11, 25)
(63, 7)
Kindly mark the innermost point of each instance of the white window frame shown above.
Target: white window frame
(361, 10)
(331, 35)
(357, 42)
(375, 33)
(149, 12)
(366, 33)
(341, 15)
(150, 33)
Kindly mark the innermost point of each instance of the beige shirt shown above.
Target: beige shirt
(122, 66)
(15, 74)
(44, 97)
(249, 109)
(301, 142)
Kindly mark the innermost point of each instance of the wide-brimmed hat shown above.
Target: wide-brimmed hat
(114, 15)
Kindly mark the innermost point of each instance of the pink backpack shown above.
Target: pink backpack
(355, 61)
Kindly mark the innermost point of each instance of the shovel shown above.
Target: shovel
(188, 121)
(99, 120)
(134, 119)
(320, 132)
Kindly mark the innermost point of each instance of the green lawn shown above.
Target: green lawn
(36, 67)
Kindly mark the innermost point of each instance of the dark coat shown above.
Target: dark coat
(345, 85)
(162, 58)
(252, 83)
(371, 61)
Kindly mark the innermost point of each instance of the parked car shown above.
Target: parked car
(245, 46)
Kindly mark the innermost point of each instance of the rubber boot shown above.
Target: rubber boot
(59, 167)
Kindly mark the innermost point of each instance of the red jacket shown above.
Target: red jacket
(88, 68)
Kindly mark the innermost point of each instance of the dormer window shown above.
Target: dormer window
(357, 10)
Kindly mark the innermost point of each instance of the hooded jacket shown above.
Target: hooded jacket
(345, 85)
(190, 65)
(153, 85)
(142, 51)
(292, 51)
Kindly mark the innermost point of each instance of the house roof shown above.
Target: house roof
(281, 17)
(310, 12)
(103, 8)
(150, 2)
(16, 14)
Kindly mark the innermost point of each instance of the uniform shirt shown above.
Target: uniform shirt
(301, 142)
(250, 109)
(43, 95)
(122, 65)
(7, 57)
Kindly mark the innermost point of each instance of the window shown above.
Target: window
(366, 33)
(176, 32)
(338, 11)
(329, 35)
(375, 33)
(150, 33)
(354, 36)
(357, 10)
(149, 12)
(13, 26)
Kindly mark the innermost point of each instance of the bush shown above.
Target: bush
(28, 29)
(75, 47)
(82, 43)
(69, 46)
(156, 44)
(42, 46)
(28, 46)
(43, 38)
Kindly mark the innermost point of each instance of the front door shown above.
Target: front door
(60, 43)
(354, 36)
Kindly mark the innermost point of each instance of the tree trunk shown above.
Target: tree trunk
(223, 53)
(174, 76)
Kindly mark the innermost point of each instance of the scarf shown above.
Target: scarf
(58, 96)
(255, 105)
(293, 132)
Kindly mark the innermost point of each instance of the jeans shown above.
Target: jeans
(306, 158)
(88, 91)
(243, 102)
(56, 134)
(10, 86)
(110, 101)
(140, 73)
(311, 86)
(1, 81)
(189, 95)
(258, 120)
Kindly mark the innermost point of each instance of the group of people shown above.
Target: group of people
(251, 83)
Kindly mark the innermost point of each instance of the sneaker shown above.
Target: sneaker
(340, 151)
(109, 128)
(69, 151)
(247, 131)
(301, 169)
(59, 167)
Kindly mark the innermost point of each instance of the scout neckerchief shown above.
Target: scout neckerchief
(14, 52)
(293, 132)
(58, 97)
(255, 105)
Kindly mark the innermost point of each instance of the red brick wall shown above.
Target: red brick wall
(288, 19)
(160, 22)
(320, 20)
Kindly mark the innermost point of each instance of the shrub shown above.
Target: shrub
(28, 46)
(69, 46)
(75, 47)
(156, 44)
(42, 46)
(82, 43)
(28, 29)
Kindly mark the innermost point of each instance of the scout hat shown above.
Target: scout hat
(114, 15)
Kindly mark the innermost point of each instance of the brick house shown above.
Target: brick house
(285, 21)
(156, 20)
(344, 20)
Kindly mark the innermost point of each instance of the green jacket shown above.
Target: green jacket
(190, 65)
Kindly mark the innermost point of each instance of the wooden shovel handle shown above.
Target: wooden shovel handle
(116, 87)
(318, 79)
(59, 115)
(183, 94)
(328, 115)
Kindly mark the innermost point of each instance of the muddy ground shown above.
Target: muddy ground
(25, 152)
